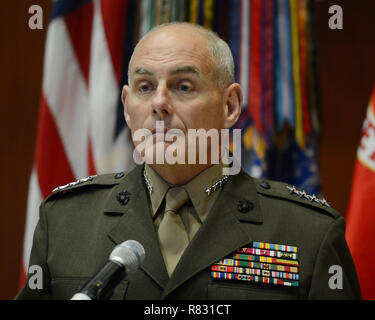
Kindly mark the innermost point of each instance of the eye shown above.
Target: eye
(184, 87)
(144, 87)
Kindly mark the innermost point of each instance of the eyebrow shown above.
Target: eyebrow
(186, 69)
(182, 69)
(143, 71)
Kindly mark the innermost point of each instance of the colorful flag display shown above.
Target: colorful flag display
(276, 64)
(361, 212)
(89, 42)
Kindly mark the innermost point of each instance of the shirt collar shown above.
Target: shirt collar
(159, 188)
(196, 189)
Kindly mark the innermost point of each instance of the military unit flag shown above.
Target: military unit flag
(360, 218)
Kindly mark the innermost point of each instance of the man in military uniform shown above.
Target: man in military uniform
(206, 235)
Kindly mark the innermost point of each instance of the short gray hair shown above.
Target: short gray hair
(221, 54)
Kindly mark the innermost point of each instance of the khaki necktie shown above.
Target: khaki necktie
(172, 233)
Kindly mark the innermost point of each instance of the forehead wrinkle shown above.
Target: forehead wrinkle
(170, 54)
(153, 53)
(180, 65)
(159, 52)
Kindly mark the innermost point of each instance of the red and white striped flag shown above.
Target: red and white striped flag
(360, 230)
(81, 127)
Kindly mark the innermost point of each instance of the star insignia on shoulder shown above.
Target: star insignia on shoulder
(71, 184)
(303, 194)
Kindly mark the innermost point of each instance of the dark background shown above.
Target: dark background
(347, 74)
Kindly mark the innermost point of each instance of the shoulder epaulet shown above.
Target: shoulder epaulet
(103, 179)
(290, 192)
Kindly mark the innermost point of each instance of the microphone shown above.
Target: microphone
(125, 258)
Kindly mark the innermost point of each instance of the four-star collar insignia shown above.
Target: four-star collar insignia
(303, 194)
(148, 183)
(262, 262)
(208, 190)
(71, 184)
(216, 185)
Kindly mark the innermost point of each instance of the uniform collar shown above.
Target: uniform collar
(159, 188)
(196, 189)
(222, 233)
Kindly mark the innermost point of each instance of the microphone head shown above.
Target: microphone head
(130, 254)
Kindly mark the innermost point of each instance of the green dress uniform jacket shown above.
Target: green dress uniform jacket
(81, 223)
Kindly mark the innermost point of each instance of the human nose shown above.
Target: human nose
(161, 105)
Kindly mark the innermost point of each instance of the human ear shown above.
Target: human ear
(232, 111)
(124, 94)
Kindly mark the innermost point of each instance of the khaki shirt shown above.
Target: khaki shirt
(195, 212)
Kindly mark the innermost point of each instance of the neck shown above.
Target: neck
(179, 174)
